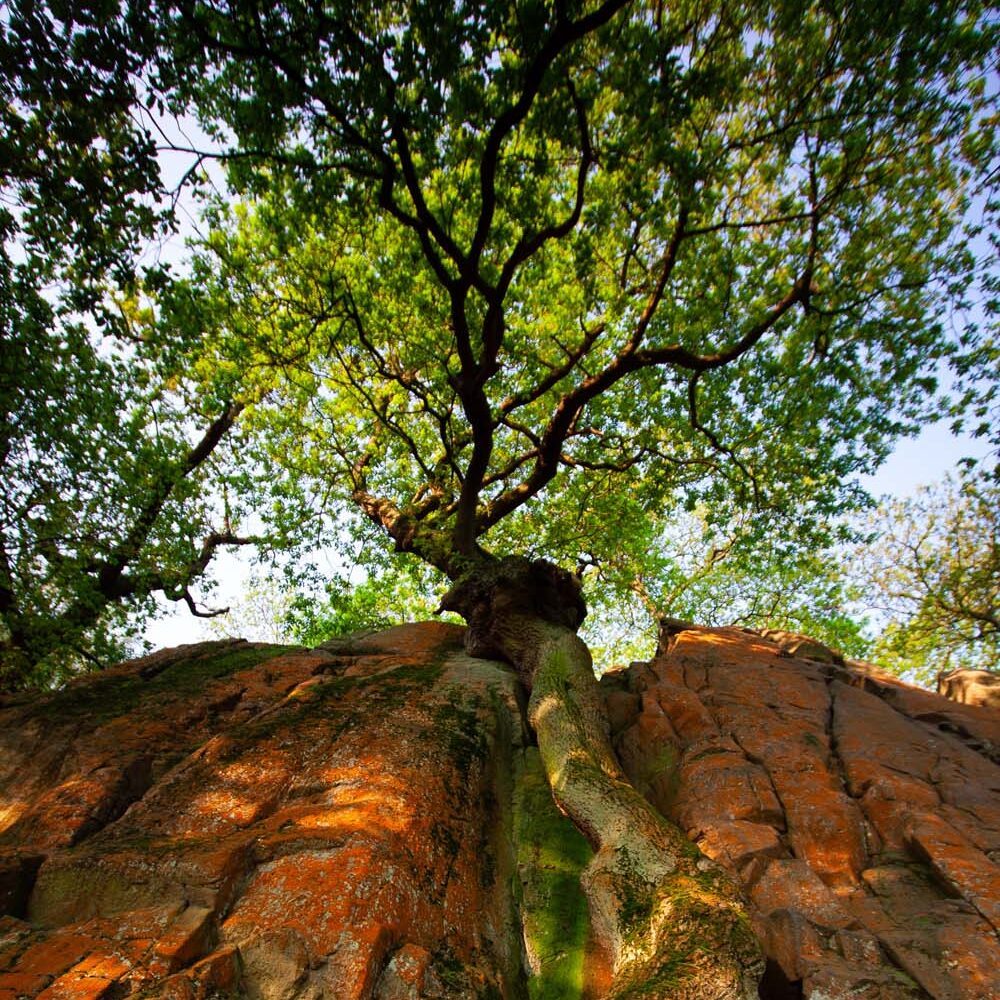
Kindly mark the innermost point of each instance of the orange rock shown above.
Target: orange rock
(334, 821)
(237, 819)
(971, 687)
(56, 954)
(854, 808)
(23, 983)
(185, 940)
(968, 870)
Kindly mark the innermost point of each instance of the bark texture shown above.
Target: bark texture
(673, 922)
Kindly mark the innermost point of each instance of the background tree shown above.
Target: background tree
(933, 571)
(112, 459)
(744, 577)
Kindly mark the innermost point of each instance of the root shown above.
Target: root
(672, 921)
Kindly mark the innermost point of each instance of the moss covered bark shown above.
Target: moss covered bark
(551, 856)
(673, 922)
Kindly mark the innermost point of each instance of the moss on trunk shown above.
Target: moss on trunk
(672, 921)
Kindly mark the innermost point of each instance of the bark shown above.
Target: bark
(673, 923)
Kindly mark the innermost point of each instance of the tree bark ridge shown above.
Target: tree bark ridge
(673, 923)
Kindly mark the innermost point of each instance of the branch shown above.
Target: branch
(528, 246)
(714, 441)
(189, 600)
(562, 36)
(556, 375)
(109, 575)
(627, 361)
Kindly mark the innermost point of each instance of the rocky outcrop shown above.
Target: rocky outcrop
(861, 815)
(971, 687)
(268, 823)
(370, 820)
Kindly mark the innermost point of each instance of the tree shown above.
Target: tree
(522, 277)
(524, 271)
(933, 572)
(744, 576)
(113, 460)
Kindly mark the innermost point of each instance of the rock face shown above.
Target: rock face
(971, 687)
(370, 820)
(264, 822)
(861, 815)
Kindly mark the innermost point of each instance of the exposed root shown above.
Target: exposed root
(672, 921)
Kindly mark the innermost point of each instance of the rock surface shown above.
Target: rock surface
(369, 820)
(971, 687)
(861, 815)
(264, 822)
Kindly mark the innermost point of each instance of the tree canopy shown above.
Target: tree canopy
(935, 576)
(518, 277)
(506, 280)
(516, 254)
(106, 454)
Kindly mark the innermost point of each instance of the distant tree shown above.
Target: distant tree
(370, 604)
(932, 573)
(757, 582)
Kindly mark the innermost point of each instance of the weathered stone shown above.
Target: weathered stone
(717, 783)
(366, 821)
(971, 687)
(735, 844)
(854, 808)
(797, 644)
(317, 818)
(791, 884)
(957, 862)
(791, 940)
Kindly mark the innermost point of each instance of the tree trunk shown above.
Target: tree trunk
(673, 923)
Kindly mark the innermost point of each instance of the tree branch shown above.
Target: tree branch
(628, 360)
(563, 35)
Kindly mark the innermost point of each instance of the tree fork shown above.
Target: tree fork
(673, 923)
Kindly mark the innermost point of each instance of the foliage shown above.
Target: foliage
(694, 572)
(932, 570)
(376, 603)
(78, 173)
(513, 276)
(508, 286)
(121, 476)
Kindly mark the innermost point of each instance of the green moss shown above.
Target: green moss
(636, 906)
(111, 696)
(662, 767)
(460, 981)
(459, 729)
(551, 855)
(331, 702)
(670, 973)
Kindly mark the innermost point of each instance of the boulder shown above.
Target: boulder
(971, 687)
